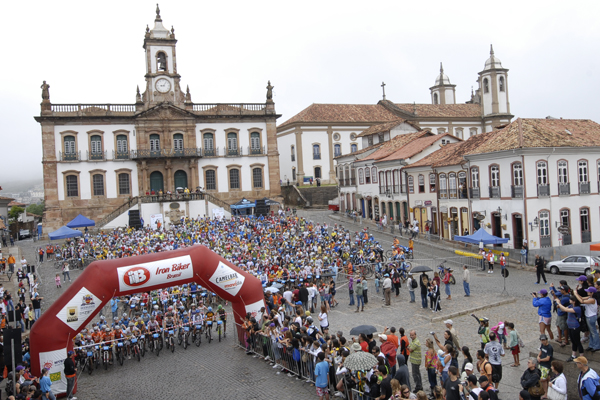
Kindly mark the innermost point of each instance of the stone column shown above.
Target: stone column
(330, 144)
(144, 184)
(273, 158)
(300, 172)
(52, 218)
(169, 177)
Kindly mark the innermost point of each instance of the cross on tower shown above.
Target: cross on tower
(383, 86)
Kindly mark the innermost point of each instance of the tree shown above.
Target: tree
(15, 212)
(37, 209)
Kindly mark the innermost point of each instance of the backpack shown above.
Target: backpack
(414, 284)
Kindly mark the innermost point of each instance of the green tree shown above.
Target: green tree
(15, 211)
(36, 209)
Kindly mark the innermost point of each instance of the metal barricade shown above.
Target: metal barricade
(294, 361)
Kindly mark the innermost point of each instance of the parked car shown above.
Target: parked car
(24, 233)
(580, 265)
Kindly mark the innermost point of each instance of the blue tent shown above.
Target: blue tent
(80, 221)
(242, 204)
(481, 236)
(64, 233)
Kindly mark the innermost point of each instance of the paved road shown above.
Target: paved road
(220, 370)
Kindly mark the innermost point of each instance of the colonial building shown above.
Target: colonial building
(309, 141)
(98, 156)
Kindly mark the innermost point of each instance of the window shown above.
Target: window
(361, 176)
(96, 144)
(452, 184)
(435, 98)
(154, 143)
(473, 131)
(337, 150)
(432, 183)
(209, 142)
(495, 176)
(210, 179)
(421, 184)
(411, 184)
(501, 83)
(336, 136)
(388, 179)
(443, 185)
(396, 180)
(293, 174)
(234, 178)
(518, 174)
(583, 171)
(441, 131)
(353, 148)
(255, 142)
(381, 180)
(232, 146)
(121, 144)
(257, 177)
(380, 138)
(367, 175)
(458, 132)
(542, 173)
(374, 174)
(293, 151)
(316, 151)
(178, 142)
(370, 140)
(486, 87)
(124, 184)
(70, 145)
(564, 217)
(585, 221)
(563, 172)
(161, 61)
(475, 177)
(98, 184)
(72, 186)
(544, 223)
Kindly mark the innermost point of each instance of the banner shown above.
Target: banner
(218, 212)
(154, 219)
(79, 308)
(164, 272)
(53, 361)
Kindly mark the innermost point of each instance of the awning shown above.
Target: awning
(481, 236)
(80, 221)
(243, 203)
(595, 247)
(64, 233)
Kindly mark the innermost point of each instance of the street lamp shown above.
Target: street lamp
(499, 211)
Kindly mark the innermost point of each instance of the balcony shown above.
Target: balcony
(381, 189)
(316, 156)
(76, 156)
(165, 153)
(545, 241)
(402, 188)
(257, 151)
(564, 189)
(233, 152)
(214, 152)
(586, 237)
(120, 155)
(567, 239)
(494, 192)
(353, 181)
(396, 189)
(98, 156)
(462, 193)
(516, 191)
(443, 194)
(584, 188)
(543, 190)
(474, 192)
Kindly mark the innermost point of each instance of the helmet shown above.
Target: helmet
(170, 308)
(107, 329)
(95, 328)
(220, 307)
(124, 315)
(309, 320)
(210, 309)
(155, 307)
(101, 317)
(103, 327)
(152, 318)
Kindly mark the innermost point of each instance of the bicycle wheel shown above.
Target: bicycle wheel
(121, 357)
(172, 340)
(143, 348)
(90, 365)
(179, 338)
(185, 342)
(389, 253)
(219, 333)
(137, 353)
(198, 339)
(157, 349)
(452, 280)
(105, 362)
(408, 266)
(209, 336)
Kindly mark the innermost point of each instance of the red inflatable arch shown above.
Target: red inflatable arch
(51, 336)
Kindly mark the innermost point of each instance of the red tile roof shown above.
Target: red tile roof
(414, 147)
(16, 203)
(542, 133)
(386, 127)
(442, 110)
(332, 113)
(396, 143)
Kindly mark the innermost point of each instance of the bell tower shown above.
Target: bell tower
(493, 89)
(162, 79)
(443, 92)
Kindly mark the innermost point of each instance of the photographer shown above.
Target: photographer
(472, 388)
(544, 306)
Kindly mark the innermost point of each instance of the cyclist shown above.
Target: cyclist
(197, 319)
(210, 316)
(125, 320)
(145, 316)
(128, 333)
(108, 338)
(97, 335)
(223, 317)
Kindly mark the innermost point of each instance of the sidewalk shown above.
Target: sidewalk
(421, 239)
(11, 285)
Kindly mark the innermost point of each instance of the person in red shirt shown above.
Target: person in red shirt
(391, 336)
(364, 342)
(404, 343)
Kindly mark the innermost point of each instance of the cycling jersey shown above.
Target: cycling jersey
(97, 337)
(152, 325)
(210, 316)
(222, 314)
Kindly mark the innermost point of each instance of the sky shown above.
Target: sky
(312, 51)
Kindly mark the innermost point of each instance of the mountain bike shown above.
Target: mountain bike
(142, 344)
(105, 356)
(197, 335)
(135, 348)
(89, 361)
(185, 334)
(219, 325)
(443, 270)
(209, 331)
(120, 353)
(171, 340)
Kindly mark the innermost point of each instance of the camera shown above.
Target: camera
(432, 333)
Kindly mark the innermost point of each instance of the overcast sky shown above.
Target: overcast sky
(312, 51)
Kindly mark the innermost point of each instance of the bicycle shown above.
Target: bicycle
(443, 271)
(219, 324)
(156, 343)
(89, 362)
(142, 344)
(120, 353)
(105, 356)
(197, 335)
(209, 331)
(135, 348)
(185, 335)
(171, 340)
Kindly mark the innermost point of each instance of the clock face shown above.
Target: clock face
(163, 85)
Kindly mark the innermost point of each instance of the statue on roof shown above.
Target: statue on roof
(188, 96)
(45, 91)
(157, 12)
(270, 91)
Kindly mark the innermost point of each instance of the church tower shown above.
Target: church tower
(162, 79)
(493, 91)
(443, 92)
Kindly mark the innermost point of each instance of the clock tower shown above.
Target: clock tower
(162, 79)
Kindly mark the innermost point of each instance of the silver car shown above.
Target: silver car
(580, 265)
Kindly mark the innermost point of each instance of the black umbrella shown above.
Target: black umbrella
(366, 329)
(421, 268)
